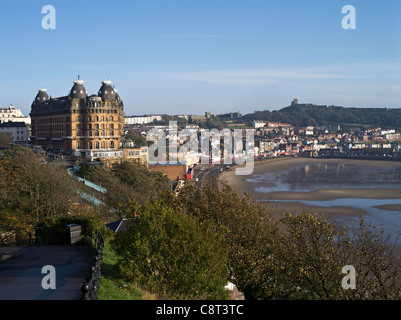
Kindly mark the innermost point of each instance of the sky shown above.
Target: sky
(193, 56)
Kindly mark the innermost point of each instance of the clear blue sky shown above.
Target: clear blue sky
(192, 56)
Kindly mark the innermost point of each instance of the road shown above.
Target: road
(208, 173)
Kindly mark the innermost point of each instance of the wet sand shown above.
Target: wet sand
(240, 185)
(391, 207)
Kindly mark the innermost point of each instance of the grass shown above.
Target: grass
(112, 286)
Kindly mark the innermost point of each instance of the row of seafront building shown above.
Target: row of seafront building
(327, 141)
(93, 127)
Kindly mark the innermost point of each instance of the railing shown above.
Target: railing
(90, 288)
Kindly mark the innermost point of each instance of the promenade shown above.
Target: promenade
(21, 271)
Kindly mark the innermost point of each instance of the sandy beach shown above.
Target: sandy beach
(270, 199)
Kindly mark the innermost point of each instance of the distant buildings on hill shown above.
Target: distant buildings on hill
(295, 103)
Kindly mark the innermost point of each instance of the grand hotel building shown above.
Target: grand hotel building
(80, 125)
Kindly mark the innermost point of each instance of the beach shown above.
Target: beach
(287, 202)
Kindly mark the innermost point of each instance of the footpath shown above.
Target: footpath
(21, 271)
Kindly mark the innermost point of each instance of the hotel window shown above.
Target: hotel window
(96, 133)
(97, 145)
(102, 133)
(102, 145)
(112, 144)
(78, 145)
(90, 145)
(111, 118)
(112, 133)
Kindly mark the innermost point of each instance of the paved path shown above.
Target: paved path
(21, 271)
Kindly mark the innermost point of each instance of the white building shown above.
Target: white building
(141, 119)
(14, 115)
(258, 124)
(309, 131)
(18, 131)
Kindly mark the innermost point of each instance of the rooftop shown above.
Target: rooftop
(11, 124)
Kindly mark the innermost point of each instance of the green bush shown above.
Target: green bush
(173, 254)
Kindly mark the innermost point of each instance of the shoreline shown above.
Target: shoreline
(241, 186)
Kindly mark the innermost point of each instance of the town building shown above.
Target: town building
(135, 154)
(78, 124)
(258, 124)
(141, 120)
(14, 115)
(18, 131)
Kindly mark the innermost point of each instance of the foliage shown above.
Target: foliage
(5, 139)
(138, 140)
(16, 228)
(296, 256)
(113, 286)
(301, 116)
(377, 262)
(125, 181)
(54, 230)
(251, 231)
(313, 252)
(310, 258)
(33, 187)
(187, 246)
(172, 253)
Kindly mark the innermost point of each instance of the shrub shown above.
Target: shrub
(174, 254)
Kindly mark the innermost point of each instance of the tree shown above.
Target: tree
(377, 263)
(251, 237)
(126, 181)
(38, 189)
(5, 139)
(172, 253)
(313, 251)
(295, 256)
(310, 258)
(137, 139)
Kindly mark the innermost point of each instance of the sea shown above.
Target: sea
(308, 177)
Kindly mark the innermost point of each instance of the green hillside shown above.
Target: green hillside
(314, 115)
